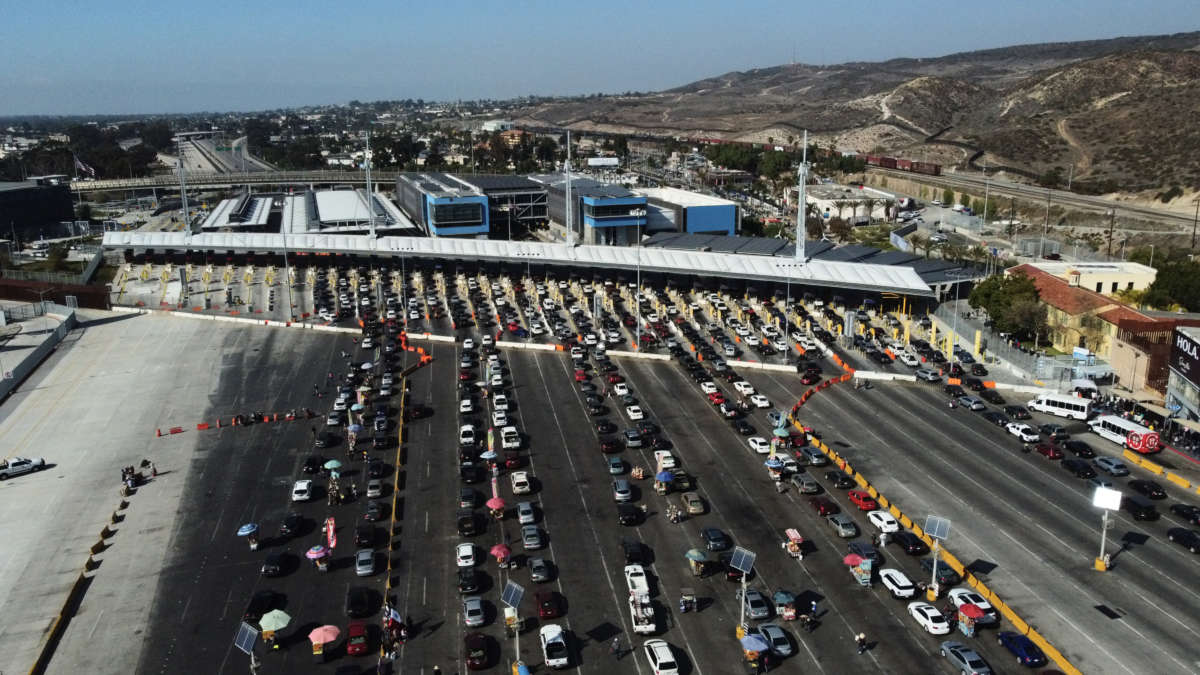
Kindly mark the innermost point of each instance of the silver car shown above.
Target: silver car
(777, 638)
(964, 659)
(473, 611)
(531, 538)
(539, 570)
(525, 514)
(756, 604)
(843, 525)
(621, 490)
(364, 562)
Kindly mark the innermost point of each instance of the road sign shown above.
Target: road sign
(743, 560)
(937, 527)
(247, 635)
(512, 594)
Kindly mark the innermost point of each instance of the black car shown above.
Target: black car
(323, 440)
(1080, 448)
(364, 535)
(954, 390)
(1189, 513)
(605, 427)
(1149, 488)
(596, 410)
(468, 580)
(291, 525)
(633, 551)
(1189, 539)
(1055, 432)
(839, 479)
(376, 468)
(731, 573)
(260, 603)
(996, 418)
(910, 542)
(1016, 412)
(946, 576)
(974, 384)
(379, 442)
(313, 464)
(648, 428)
(714, 539)
(992, 396)
(358, 602)
(743, 427)
(1080, 468)
(628, 514)
(273, 565)
(373, 512)
(978, 369)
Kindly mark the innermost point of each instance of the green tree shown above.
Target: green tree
(752, 226)
(158, 135)
(1013, 303)
(840, 229)
(57, 257)
(1177, 283)
(814, 228)
(964, 199)
(948, 196)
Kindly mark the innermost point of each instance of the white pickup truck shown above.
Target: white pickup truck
(15, 466)
(635, 579)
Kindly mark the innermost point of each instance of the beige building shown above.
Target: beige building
(1101, 277)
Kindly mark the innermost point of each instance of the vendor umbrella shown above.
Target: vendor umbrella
(316, 553)
(664, 477)
(754, 643)
(367, 365)
(971, 611)
(488, 454)
(333, 464)
(696, 554)
(247, 529)
(364, 389)
(781, 432)
(773, 463)
(357, 407)
(500, 551)
(853, 559)
(354, 428)
(495, 503)
(274, 620)
(324, 635)
(335, 474)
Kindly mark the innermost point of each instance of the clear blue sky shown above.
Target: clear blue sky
(138, 56)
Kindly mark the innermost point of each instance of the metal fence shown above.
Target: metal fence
(12, 374)
(59, 277)
(1019, 357)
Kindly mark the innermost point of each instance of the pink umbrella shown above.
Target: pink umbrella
(500, 551)
(495, 503)
(324, 635)
(316, 553)
(853, 559)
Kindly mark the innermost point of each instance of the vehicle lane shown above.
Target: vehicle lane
(744, 495)
(1009, 505)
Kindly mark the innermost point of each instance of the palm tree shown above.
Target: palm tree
(870, 203)
(921, 243)
(888, 205)
(841, 205)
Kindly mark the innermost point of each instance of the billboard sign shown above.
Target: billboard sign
(1185, 357)
(603, 161)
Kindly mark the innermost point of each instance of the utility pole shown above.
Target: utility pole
(1112, 220)
(1046, 225)
(801, 203)
(1195, 221)
(570, 209)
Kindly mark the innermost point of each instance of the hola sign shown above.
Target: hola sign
(1142, 442)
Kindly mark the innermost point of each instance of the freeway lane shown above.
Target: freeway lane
(1043, 514)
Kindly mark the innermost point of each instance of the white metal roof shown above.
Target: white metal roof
(879, 278)
(683, 198)
(338, 206)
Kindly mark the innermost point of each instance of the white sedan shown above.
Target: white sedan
(635, 412)
(708, 387)
(884, 521)
(929, 617)
(665, 459)
(897, 583)
(464, 555)
(466, 406)
(759, 445)
(620, 389)
(1023, 431)
(468, 344)
(760, 401)
(500, 402)
(554, 646)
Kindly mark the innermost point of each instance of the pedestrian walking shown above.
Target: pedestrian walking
(861, 640)
(814, 608)
(615, 647)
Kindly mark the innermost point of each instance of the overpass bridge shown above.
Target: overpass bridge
(212, 180)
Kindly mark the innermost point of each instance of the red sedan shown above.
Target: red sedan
(614, 378)
(581, 376)
(547, 605)
(356, 638)
(863, 500)
(716, 398)
(810, 378)
(1049, 451)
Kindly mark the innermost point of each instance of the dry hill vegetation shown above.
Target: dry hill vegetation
(1113, 113)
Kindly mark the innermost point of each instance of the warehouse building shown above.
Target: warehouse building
(343, 212)
(442, 206)
(514, 202)
(600, 213)
(675, 210)
(35, 208)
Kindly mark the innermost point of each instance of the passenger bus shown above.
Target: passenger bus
(1073, 407)
(1128, 434)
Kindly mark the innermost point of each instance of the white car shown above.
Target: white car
(708, 387)
(486, 341)
(466, 435)
(466, 406)
(967, 596)
(368, 343)
(500, 402)
(929, 617)
(499, 418)
(760, 401)
(743, 387)
(15, 466)
(340, 404)
(520, 483)
(909, 360)
(635, 412)
(665, 459)
(897, 583)
(1023, 431)
(468, 345)
(662, 661)
(554, 646)
(635, 579)
(884, 521)
(302, 491)
(620, 389)
(497, 380)
(759, 445)
(464, 555)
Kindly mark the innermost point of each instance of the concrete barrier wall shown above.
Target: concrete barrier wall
(16, 373)
(884, 377)
(756, 365)
(639, 355)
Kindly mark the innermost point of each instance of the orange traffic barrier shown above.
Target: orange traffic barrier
(158, 432)
(218, 422)
(202, 426)
(176, 430)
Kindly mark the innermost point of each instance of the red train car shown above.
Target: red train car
(904, 164)
(887, 162)
(927, 168)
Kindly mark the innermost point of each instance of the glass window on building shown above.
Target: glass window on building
(608, 210)
(469, 212)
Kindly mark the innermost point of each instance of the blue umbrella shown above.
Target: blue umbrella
(354, 428)
(754, 643)
(490, 454)
(664, 477)
(247, 529)
(773, 463)
(522, 669)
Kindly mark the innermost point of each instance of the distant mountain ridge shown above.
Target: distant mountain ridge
(1116, 110)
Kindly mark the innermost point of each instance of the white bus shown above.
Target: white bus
(1126, 433)
(1062, 405)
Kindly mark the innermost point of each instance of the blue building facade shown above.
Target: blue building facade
(442, 206)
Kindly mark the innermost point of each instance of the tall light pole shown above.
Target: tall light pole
(1045, 226)
(1195, 221)
(802, 202)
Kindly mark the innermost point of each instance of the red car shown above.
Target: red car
(716, 398)
(608, 446)
(810, 378)
(475, 651)
(356, 638)
(512, 459)
(464, 375)
(863, 500)
(1049, 451)
(823, 506)
(581, 376)
(614, 378)
(547, 605)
